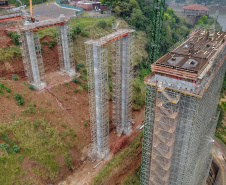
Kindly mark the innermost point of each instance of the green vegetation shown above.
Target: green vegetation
(4, 88)
(44, 42)
(221, 128)
(36, 141)
(134, 178)
(15, 37)
(207, 2)
(102, 24)
(30, 86)
(15, 77)
(207, 23)
(19, 99)
(8, 54)
(76, 80)
(120, 161)
(52, 43)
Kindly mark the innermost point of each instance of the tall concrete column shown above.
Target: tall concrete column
(36, 82)
(66, 55)
(126, 125)
(99, 98)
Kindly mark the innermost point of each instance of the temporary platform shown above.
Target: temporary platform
(97, 68)
(181, 111)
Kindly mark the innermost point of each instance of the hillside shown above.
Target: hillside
(46, 133)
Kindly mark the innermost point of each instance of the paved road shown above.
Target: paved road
(51, 10)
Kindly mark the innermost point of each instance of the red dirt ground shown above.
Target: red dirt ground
(60, 104)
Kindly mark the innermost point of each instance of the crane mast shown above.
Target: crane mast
(156, 27)
(155, 39)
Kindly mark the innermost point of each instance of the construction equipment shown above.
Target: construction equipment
(156, 26)
(31, 12)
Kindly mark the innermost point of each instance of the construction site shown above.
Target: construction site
(72, 95)
(179, 130)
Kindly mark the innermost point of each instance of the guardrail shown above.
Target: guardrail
(95, 16)
(79, 10)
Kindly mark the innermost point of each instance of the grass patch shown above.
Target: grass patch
(133, 178)
(4, 88)
(8, 54)
(19, 99)
(119, 161)
(38, 141)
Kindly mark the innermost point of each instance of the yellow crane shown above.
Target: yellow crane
(31, 11)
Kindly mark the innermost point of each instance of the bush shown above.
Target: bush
(19, 99)
(85, 34)
(4, 146)
(68, 162)
(44, 42)
(76, 80)
(79, 66)
(15, 37)
(31, 87)
(52, 43)
(16, 148)
(3, 159)
(102, 24)
(85, 124)
(85, 86)
(2, 87)
(77, 30)
(15, 77)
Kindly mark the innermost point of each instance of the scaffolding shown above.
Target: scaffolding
(65, 48)
(117, 88)
(32, 58)
(179, 126)
(31, 49)
(97, 69)
(123, 84)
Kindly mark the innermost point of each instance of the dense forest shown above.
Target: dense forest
(138, 14)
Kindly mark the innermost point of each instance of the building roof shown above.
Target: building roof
(195, 7)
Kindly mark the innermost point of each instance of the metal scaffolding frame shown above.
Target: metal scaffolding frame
(31, 49)
(179, 128)
(65, 48)
(117, 87)
(97, 69)
(123, 84)
(32, 58)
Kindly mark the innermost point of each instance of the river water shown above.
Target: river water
(221, 17)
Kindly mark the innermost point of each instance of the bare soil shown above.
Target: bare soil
(60, 105)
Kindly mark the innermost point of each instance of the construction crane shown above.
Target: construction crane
(31, 12)
(156, 27)
(158, 10)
